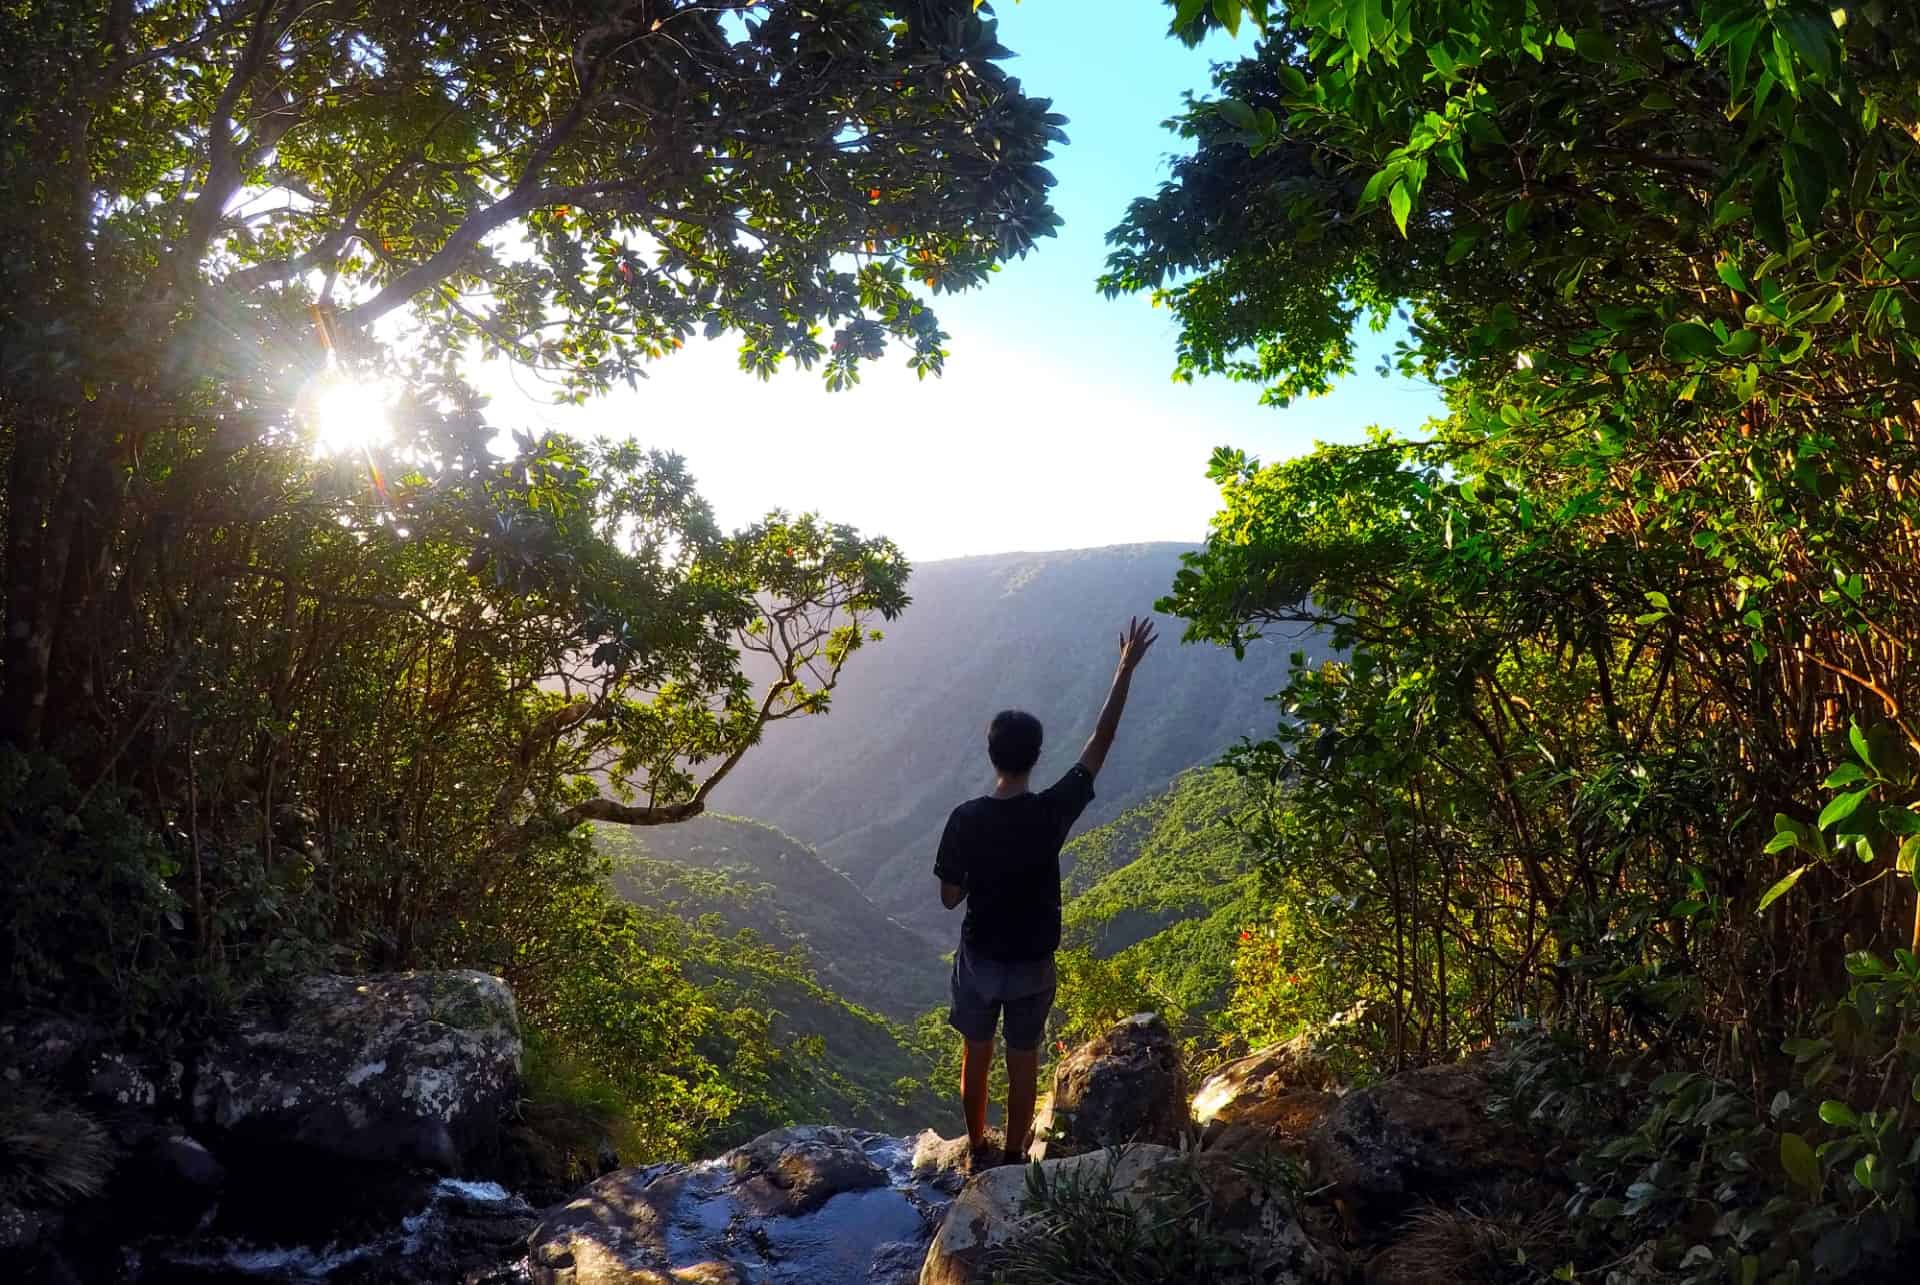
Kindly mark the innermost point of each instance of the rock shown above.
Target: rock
(795, 1171)
(941, 1160)
(1272, 1097)
(1281, 1122)
(181, 1160)
(414, 1067)
(47, 1049)
(470, 1232)
(809, 1205)
(553, 1149)
(988, 1208)
(1420, 1135)
(1298, 1063)
(1257, 1221)
(1126, 1085)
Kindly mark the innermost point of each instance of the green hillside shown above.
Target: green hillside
(1156, 901)
(757, 879)
(832, 1059)
(870, 785)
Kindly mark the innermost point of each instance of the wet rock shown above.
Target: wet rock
(811, 1205)
(466, 1232)
(178, 1159)
(988, 1209)
(1126, 1085)
(795, 1171)
(1421, 1135)
(414, 1067)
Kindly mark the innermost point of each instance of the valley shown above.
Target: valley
(870, 785)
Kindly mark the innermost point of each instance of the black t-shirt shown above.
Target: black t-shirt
(1006, 854)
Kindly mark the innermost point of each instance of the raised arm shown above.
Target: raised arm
(1134, 642)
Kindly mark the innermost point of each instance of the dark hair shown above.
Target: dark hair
(1013, 741)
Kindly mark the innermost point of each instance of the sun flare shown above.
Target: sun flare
(348, 416)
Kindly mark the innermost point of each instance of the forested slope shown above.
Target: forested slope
(1157, 901)
(756, 878)
(870, 785)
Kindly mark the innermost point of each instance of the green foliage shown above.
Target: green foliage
(266, 707)
(1625, 629)
(1076, 1228)
(1157, 899)
(757, 879)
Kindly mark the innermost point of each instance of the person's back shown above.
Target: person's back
(1000, 853)
(1013, 867)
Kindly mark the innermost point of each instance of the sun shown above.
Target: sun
(348, 416)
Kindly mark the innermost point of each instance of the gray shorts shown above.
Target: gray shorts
(983, 987)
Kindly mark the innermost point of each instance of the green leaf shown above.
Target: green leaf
(1227, 12)
(1864, 963)
(1400, 201)
(1593, 45)
(1845, 774)
(1769, 214)
(1797, 1158)
(1808, 174)
(1842, 807)
(1237, 114)
(1813, 37)
(1377, 185)
(1781, 888)
(1731, 276)
(1689, 341)
(1838, 1113)
(1292, 80)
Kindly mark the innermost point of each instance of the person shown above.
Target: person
(1000, 854)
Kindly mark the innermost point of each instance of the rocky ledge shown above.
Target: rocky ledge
(356, 1134)
(809, 1205)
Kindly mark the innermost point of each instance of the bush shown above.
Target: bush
(1077, 1230)
(51, 1152)
(87, 919)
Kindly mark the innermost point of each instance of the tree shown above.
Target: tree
(1625, 734)
(273, 698)
(205, 205)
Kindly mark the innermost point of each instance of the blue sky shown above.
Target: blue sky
(1057, 424)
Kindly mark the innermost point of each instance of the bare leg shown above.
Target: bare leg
(976, 1067)
(1023, 1082)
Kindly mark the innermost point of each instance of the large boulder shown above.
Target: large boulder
(989, 1208)
(415, 1067)
(1239, 1213)
(1125, 1085)
(1422, 1135)
(810, 1204)
(1272, 1097)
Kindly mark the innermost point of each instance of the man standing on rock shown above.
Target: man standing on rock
(1001, 855)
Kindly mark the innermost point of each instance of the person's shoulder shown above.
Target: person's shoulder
(1072, 781)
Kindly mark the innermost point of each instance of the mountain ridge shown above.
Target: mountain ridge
(869, 785)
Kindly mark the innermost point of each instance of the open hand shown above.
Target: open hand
(1134, 641)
